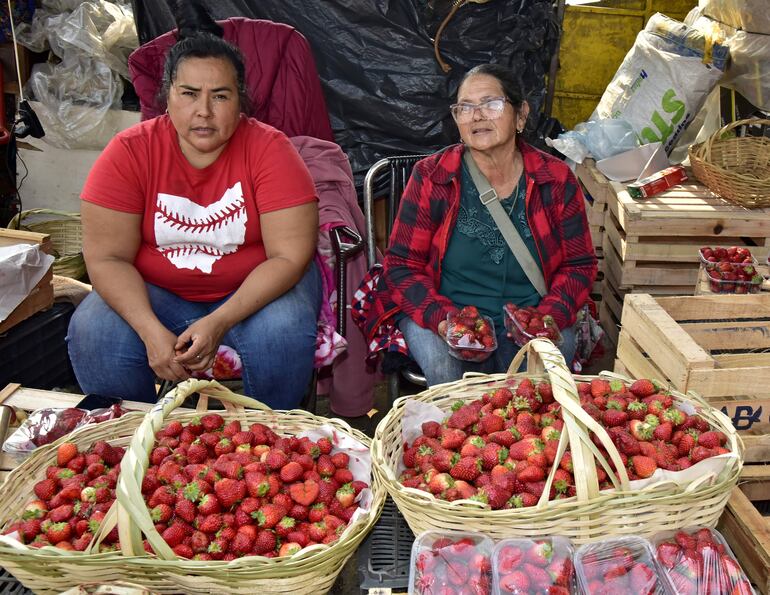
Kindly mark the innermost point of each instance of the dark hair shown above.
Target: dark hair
(508, 81)
(199, 36)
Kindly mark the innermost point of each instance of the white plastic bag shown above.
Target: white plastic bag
(663, 81)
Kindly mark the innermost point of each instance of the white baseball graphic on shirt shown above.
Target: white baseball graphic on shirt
(194, 237)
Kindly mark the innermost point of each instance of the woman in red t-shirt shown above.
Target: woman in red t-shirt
(199, 229)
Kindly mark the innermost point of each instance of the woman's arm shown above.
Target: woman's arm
(110, 243)
(290, 236)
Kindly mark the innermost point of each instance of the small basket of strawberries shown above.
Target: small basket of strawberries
(527, 323)
(545, 453)
(201, 501)
(470, 335)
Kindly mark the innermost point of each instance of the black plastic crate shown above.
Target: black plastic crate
(384, 556)
(10, 586)
(34, 353)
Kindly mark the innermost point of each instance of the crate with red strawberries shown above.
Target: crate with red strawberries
(451, 562)
(470, 335)
(698, 561)
(619, 566)
(522, 566)
(526, 323)
(730, 270)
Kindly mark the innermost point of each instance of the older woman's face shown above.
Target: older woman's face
(481, 132)
(204, 107)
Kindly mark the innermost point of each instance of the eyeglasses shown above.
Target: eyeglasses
(490, 109)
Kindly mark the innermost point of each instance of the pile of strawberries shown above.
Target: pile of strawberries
(731, 270)
(527, 323)
(449, 565)
(522, 566)
(697, 561)
(621, 566)
(499, 449)
(215, 491)
(73, 499)
(470, 335)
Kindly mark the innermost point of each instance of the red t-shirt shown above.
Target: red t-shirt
(201, 233)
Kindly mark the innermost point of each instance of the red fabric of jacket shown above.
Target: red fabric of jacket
(281, 77)
(555, 210)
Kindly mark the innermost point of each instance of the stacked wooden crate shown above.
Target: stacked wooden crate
(651, 245)
(597, 192)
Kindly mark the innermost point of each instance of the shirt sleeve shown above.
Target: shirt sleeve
(113, 181)
(281, 178)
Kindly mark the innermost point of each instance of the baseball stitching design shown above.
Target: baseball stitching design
(194, 237)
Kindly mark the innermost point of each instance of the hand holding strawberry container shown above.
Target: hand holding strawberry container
(525, 324)
(620, 566)
(451, 562)
(523, 566)
(698, 561)
(471, 336)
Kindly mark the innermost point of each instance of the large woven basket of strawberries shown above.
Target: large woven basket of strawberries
(243, 500)
(545, 453)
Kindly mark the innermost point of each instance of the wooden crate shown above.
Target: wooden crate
(745, 529)
(41, 296)
(597, 191)
(717, 345)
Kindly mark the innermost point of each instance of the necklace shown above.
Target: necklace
(516, 193)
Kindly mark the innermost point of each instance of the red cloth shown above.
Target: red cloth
(281, 77)
(201, 232)
(427, 213)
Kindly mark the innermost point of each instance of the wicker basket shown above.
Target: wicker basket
(737, 169)
(50, 570)
(66, 237)
(591, 514)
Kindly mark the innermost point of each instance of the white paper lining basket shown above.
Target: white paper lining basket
(591, 514)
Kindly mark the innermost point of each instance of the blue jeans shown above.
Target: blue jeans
(432, 353)
(276, 344)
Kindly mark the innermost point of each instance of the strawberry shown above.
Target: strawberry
(700, 453)
(663, 431)
(640, 429)
(642, 388)
(711, 439)
(636, 410)
(304, 493)
(45, 489)
(276, 459)
(525, 447)
(229, 491)
(65, 453)
(600, 388)
(491, 423)
(346, 495)
(641, 578)
(464, 417)
(341, 460)
(291, 472)
(268, 516)
(668, 553)
(467, 468)
(185, 510)
(57, 532)
(493, 454)
(643, 466)
(614, 417)
(515, 582)
(212, 422)
(540, 554)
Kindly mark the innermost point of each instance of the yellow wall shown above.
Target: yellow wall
(595, 40)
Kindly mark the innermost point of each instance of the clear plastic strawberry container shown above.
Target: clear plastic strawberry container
(698, 561)
(619, 565)
(471, 339)
(737, 256)
(455, 559)
(533, 566)
(729, 270)
(521, 328)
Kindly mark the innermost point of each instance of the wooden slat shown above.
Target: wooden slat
(31, 399)
(657, 333)
(742, 360)
(755, 473)
(634, 363)
(593, 180)
(757, 451)
(729, 335)
(748, 534)
(717, 307)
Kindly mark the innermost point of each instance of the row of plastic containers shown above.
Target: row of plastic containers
(693, 561)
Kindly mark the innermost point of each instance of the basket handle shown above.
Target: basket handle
(132, 516)
(704, 150)
(15, 223)
(543, 356)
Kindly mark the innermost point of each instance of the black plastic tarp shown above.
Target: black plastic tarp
(384, 89)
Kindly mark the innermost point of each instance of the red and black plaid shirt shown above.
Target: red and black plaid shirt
(426, 217)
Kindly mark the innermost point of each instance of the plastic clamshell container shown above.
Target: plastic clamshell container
(467, 348)
(717, 571)
(453, 558)
(619, 565)
(533, 566)
(522, 337)
(709, 264)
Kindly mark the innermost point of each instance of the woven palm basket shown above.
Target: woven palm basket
(66, 237)
(591, 514)
(49, 570)
(737, 169)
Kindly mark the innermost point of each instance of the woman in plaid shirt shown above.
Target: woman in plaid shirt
(446, 251)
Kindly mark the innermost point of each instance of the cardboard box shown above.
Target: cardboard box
(41, 296)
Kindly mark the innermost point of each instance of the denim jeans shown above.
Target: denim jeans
(276, 344)
(431, 353)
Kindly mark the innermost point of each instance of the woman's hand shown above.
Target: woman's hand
(197, 346)
(442, 329)
(161, 355)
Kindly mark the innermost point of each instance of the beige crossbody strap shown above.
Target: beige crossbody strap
(490, 200)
